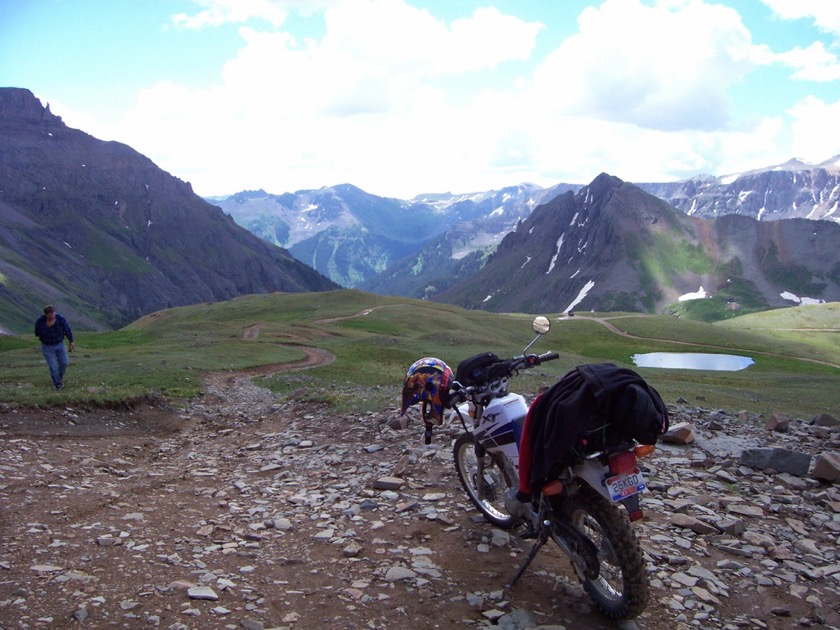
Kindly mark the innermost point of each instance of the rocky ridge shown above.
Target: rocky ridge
(99, 230)
(249, 511)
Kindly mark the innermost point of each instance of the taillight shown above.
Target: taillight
(623, 463)
(643, 450)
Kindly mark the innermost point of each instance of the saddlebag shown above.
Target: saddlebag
(592, 408)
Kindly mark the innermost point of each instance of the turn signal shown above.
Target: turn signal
(552, 488)
(643, 450)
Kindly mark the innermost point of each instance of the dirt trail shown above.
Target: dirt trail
(314, 357)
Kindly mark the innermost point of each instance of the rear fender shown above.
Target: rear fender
(594, 474)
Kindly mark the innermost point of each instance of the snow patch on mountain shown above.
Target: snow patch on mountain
(556, 254)
(696, 295)
(787, 295)
(581, 295)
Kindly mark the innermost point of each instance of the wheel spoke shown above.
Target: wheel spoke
(490, 499)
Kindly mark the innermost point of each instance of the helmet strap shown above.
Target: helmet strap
(427, 435)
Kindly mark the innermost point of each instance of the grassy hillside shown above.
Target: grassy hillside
(375, 338)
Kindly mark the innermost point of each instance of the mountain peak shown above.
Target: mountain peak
(793, 164)
(832, 163)
(614, 247)
(21, 105)
(97, 229)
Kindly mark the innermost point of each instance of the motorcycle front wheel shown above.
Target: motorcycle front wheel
(489, 496)
(620, 590)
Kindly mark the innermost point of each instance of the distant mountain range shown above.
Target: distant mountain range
(99, 230)
(793, 190)
(613, 247)
(425, 246)
(351, 236)
(104, 234)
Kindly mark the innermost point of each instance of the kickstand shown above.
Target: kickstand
(531, 555)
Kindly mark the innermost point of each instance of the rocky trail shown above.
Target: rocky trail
(245, 510)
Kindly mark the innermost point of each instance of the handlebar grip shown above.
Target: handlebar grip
(549, 356)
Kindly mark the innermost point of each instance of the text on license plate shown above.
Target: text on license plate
(623, 486)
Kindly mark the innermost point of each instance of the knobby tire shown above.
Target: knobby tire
(621, 589)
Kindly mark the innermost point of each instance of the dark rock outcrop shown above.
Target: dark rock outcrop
(99, 230)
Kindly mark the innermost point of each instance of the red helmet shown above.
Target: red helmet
(427, 381)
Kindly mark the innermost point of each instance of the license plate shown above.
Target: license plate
(623, 486)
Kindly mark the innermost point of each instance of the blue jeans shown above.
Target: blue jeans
(57, 360)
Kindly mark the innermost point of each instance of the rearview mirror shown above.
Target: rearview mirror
(541, 324)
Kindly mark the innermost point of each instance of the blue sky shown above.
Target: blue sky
(402, 97)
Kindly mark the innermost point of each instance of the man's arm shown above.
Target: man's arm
(68, 333)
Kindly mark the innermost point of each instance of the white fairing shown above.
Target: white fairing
(500, 428)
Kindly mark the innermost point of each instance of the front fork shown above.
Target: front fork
(505, 466)
(508, 468)
(480, 455)
(480, 451)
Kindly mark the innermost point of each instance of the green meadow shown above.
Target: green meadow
(374, 339)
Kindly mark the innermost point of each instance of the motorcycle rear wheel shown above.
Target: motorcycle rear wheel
(491, 503)
(621, 589)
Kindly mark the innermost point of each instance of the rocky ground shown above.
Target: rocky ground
(247, 511)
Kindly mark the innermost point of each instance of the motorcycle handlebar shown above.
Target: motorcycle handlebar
(504, 368)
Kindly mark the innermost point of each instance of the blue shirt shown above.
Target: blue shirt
(52, 335)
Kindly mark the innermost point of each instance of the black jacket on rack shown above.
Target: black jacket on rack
(590, 408)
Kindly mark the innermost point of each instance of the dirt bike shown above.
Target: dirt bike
(577, 509)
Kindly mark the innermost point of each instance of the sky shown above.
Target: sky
(405, 97)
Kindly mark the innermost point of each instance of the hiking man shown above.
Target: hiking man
(51, 328)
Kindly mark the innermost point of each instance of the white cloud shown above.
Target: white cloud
(362, 104)
(219, 12)
(390, 34)
(811, 118)
(813, 63)
(665, 66)
(398, 101)
(824, 13)
(641, 91)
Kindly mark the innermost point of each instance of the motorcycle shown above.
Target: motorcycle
(577, 509)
